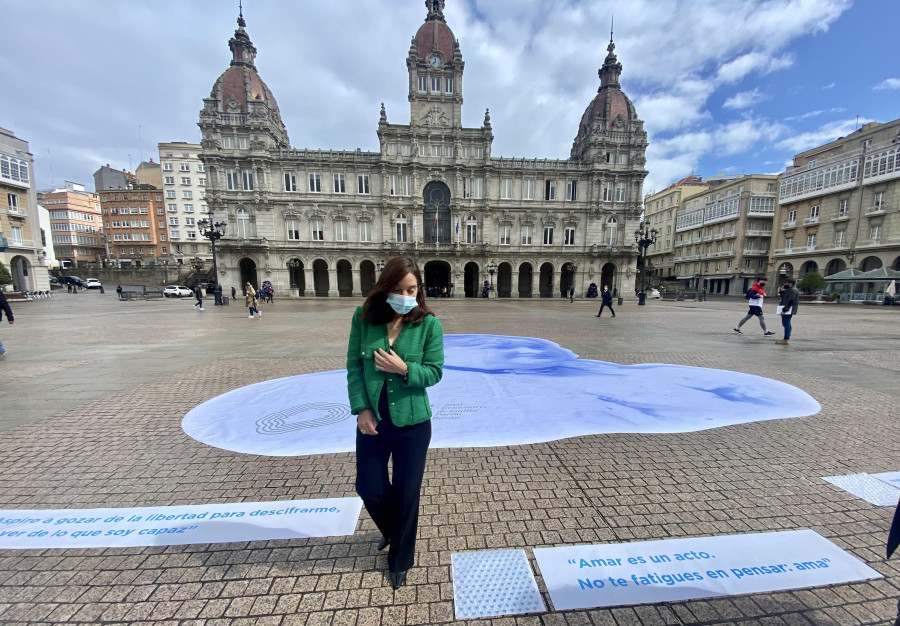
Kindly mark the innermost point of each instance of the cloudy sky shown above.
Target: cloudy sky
(730, 86)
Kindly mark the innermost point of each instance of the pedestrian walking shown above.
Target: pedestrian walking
(388, 395)
(119, 291)
(755, 296)
(233, 293)
(250, 300)
(5, 308)
(69, 287)
(787, 309)
(606, 301)
(572, 293)
(198, 293)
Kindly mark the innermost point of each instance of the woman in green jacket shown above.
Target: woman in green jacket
(396, 350)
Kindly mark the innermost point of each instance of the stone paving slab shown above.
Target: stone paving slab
(119, 443)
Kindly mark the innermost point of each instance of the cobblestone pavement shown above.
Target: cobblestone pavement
(93, 391)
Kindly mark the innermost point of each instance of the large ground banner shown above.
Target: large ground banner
(499, 391)
(177, 525)
(581, 577)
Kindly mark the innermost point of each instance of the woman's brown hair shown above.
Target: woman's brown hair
(377, 311)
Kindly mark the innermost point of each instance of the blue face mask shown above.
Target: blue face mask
(401, 304)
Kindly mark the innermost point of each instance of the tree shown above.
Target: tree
(5, 278)
(812, 282)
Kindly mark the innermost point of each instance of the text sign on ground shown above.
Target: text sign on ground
(580, 577)
(176, 525)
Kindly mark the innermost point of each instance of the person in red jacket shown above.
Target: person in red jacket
(755, 296)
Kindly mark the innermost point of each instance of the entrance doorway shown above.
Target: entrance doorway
(470, 280)
(320, 278)
(525, 280)
(248, 273)
(437, 279)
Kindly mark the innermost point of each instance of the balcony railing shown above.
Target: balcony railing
(810, 220)
(757, 233)
(752, 252)
(875, 210)
(789, 224)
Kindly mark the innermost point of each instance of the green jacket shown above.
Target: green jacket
(420, 345)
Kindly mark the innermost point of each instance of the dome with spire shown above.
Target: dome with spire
(240, 98)
(241, 83)
(610, 109)
(434, 35)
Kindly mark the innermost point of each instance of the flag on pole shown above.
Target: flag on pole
(414, 226)
(457, 226)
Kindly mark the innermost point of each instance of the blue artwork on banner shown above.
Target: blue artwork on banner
(501, 391)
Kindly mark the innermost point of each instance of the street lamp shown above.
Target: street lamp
(213, 231)
(293, 266)
(644, 236)
(571, 267)
(491, 268)
(380, 266)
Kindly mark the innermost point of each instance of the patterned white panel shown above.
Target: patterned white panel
(869, 488)
(490, 583)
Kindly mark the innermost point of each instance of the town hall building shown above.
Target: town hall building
(322, 222)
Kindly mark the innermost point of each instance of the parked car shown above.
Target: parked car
(71, 280)
(655, 293)
(92, 283)
(54, 280)
(177, 291)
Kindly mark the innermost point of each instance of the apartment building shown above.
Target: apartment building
(75, 225)
(21, 246)
(661, 209)
(723, 237)
(134, 222)
(839, 206)
(184, 184)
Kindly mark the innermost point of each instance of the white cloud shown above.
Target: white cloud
(830, 85)
(822, 135)
(888, 83)
(745, 99)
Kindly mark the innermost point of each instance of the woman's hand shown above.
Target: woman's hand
(390, 362)
(366, 423)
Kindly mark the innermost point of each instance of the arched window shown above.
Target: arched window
(401, 228)
(471, 229)
(243, 224)
(610, 237)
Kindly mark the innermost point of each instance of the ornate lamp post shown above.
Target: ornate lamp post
(644, 236)
(213, 231)
(293, 266)
(491, 268)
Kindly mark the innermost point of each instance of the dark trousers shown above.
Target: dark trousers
(786, 323)
(609, 306)
(393, 504)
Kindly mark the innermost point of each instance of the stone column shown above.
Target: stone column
(514, 290)
(556, 284)
(357, 286)
(308, 278)
(332, 283)
(536, 283)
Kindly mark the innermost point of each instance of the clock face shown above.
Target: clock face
(435, 61)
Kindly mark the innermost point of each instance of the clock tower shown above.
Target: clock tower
(435, 68)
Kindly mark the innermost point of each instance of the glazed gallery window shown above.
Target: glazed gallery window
(471, 229)
(365, 231)
(243, 224)
(315, 182)
(317, 229)
(569, 236)
(548, 236)
(248, 180)
(362, 183)
(506, 188)
(505, 230)
(231, 181)
(339, 186)
(527, 234)
(293, 229)
(290, 181)
(528, 189)
(340, 230)
(401, 227)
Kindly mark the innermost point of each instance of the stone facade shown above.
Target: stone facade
(21, 246)
(660, 210)
(838, 206)
(74, 217)
(184, 183)
(321, 222)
